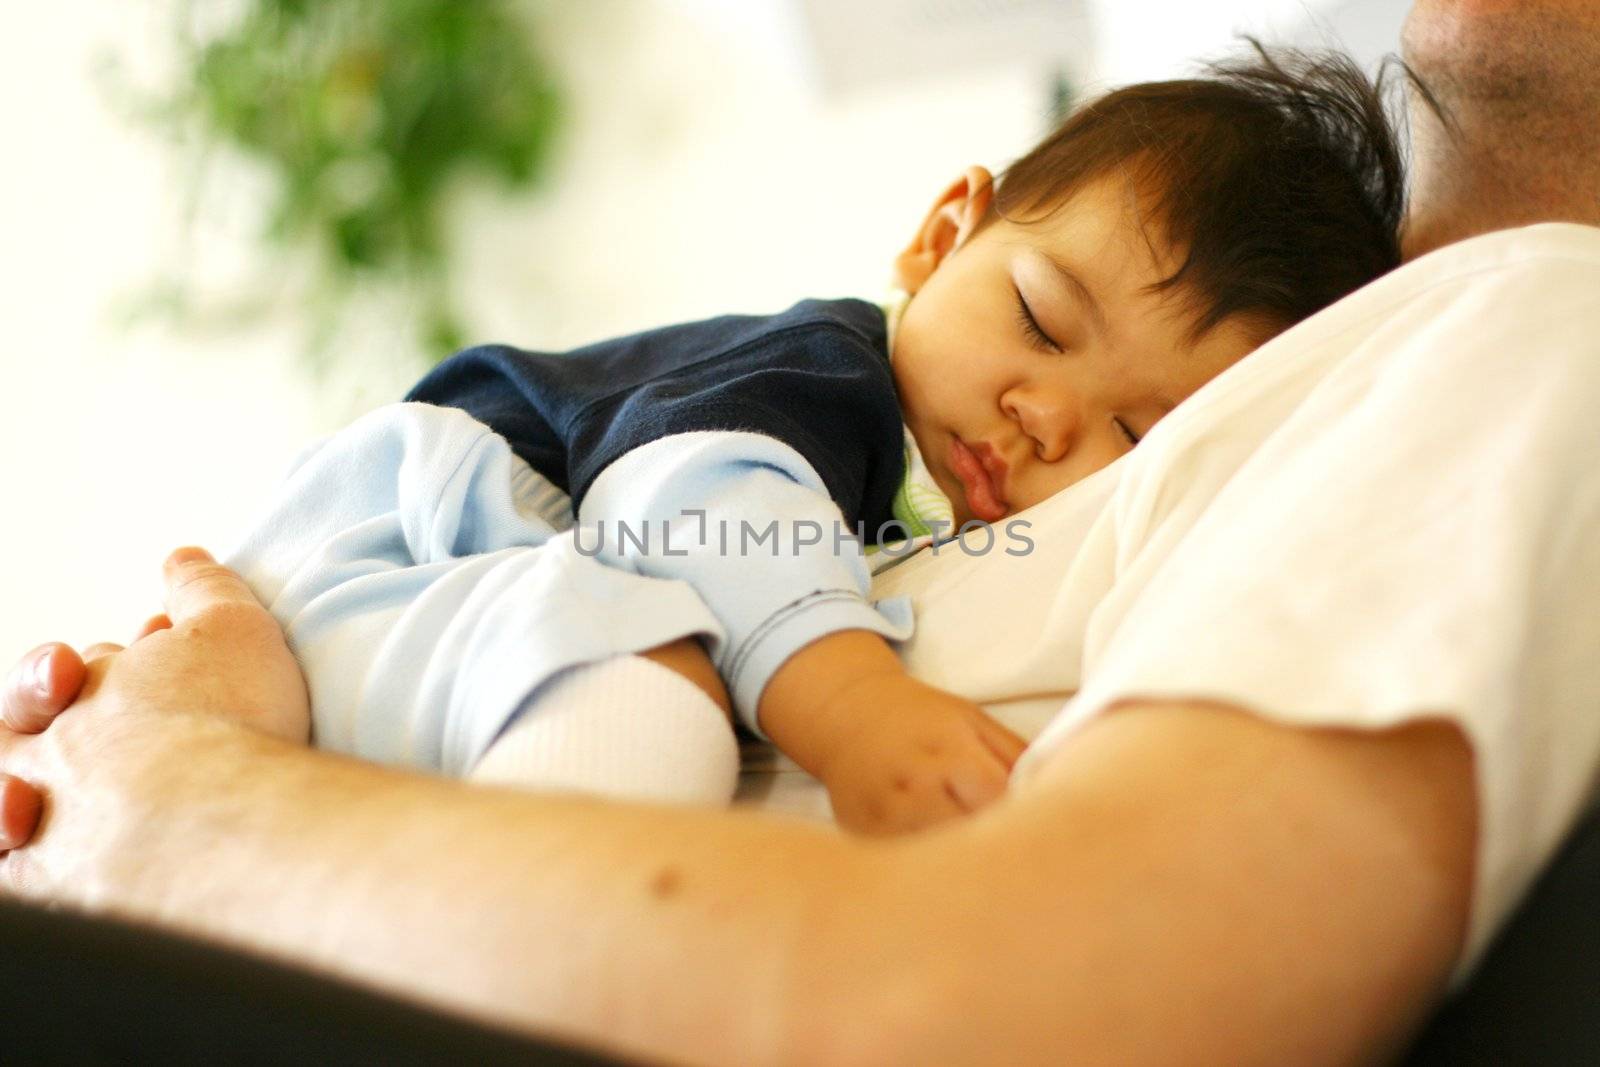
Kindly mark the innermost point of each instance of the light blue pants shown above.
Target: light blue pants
(428, 582)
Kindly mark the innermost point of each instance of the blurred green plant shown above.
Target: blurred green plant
(363, 111)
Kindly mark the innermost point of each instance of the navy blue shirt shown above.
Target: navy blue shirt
(815, 376)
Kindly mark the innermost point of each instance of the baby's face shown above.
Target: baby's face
(1030, 357)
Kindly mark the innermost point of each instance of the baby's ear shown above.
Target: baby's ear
(955, 216)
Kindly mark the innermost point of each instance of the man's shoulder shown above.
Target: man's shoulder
(1519, 250)
(1541, 281)
(1485, 288)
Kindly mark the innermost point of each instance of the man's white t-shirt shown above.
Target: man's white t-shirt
(1391, 511)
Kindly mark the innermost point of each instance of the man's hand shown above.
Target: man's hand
(906, 756)
(215, 652)
(211, 614)
(213, 618)
(43, 684)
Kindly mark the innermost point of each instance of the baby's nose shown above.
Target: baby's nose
(1051, 417)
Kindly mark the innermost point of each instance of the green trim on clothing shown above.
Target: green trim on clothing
(919, 503)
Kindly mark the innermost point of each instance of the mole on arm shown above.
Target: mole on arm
(666, 883)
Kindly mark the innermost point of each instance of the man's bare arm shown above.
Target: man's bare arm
(1179, 885)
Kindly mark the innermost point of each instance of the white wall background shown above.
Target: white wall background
(700, 174)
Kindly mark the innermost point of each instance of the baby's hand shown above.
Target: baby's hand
(915, 756)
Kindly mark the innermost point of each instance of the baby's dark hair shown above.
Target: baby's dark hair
(1278, 175)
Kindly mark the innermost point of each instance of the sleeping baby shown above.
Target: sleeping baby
(589, 570)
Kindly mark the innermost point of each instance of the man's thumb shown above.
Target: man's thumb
(196, 582)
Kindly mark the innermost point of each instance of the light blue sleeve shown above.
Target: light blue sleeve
(748, 523)
(426, 584)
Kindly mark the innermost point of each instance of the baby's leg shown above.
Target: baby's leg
(426, 591)
(655, 726)
(687, 657)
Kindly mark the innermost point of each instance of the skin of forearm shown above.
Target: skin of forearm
(662, 919)
(802, 704)
(1131, 908)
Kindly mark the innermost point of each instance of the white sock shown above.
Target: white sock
(622, 727)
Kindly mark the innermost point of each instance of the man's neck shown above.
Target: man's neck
(1423, 232)
(1504, 94)
(1459, 198)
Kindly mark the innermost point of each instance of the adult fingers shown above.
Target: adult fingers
(42, 685)
(196, 583)
(104, 648)
(20, 804)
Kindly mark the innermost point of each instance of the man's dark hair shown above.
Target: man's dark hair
(1278, 176)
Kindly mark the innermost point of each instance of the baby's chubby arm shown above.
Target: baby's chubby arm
(805, 659)
(754, 532)
(896, 754)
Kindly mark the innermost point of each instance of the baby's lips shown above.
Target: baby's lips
(994, 465)
(976, 482)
